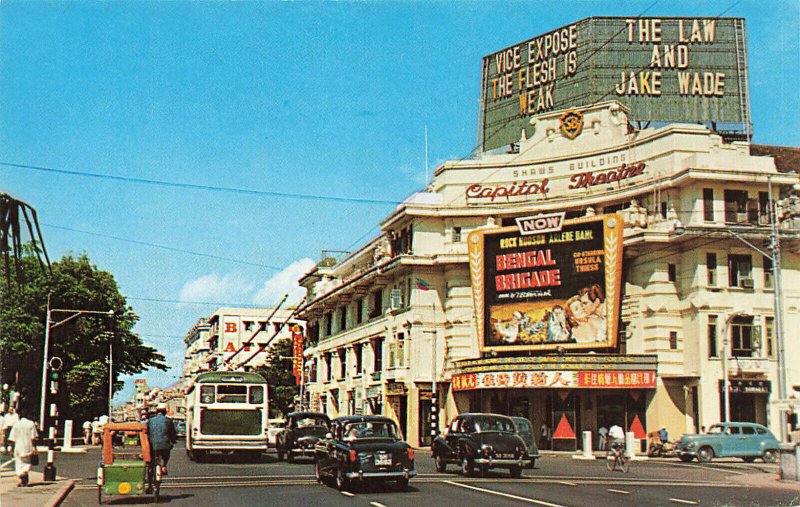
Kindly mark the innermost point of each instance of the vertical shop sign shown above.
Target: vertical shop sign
(297, 353)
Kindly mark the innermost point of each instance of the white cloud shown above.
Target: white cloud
(284, 282)
(230, 289)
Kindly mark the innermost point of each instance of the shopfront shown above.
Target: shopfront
(561, 395)
(747, 399)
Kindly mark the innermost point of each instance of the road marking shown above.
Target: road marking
(506, 495)
(567, 483)
(376, 504)
(687, 502)
(347, 493)
(709, 467)
(620, 491)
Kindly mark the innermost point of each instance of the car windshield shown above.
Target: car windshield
(486, 424)
(307, 422)
(715, 429)
(379, 429)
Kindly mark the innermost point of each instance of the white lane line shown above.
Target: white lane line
(376, 504)
(620, 491)
(506, 495)
(567, 483)
(687, 502)
(346, 493)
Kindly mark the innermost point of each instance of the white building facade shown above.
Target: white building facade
(397, 316)
(236, 339)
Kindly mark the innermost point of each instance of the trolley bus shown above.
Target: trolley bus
(228, 412)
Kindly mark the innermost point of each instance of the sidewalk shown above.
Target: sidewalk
(38, 492)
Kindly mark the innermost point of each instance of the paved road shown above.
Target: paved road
(557, 481)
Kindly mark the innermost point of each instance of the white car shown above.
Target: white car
(274, 426)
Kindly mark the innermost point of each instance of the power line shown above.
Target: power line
(206, 303)
(195, 186)
(164, 247)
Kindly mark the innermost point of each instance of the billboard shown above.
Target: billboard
(555, 287)
(663, 69)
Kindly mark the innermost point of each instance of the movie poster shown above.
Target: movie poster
(541, 291)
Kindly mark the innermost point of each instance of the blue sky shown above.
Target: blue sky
(320, 98)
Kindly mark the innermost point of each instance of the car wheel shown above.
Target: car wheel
(686, 459)
(317, 472)
(515, 472)
(770, 456)
(484, 469)
(341, 480)
(705, 454)
(402, 484)
(466, 466)
(749, 459)
(441, 464)
(289, 457)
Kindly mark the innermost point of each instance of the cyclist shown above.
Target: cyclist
(616, 438)
(161, 431)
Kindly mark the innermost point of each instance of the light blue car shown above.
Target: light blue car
(725, 440)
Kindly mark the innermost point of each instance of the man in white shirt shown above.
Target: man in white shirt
(603, 437)
(23, 434)
(9, 419)
(616, 437)
(87, 432)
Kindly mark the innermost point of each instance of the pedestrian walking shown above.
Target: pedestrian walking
(97, 431)
(23, 434)
(87, 432)
(602, 437)
(544, 436)
(9, 419)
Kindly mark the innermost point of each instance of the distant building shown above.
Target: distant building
(235, 338)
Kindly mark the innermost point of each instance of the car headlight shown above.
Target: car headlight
(486, 449)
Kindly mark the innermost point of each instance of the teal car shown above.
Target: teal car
(730, 440)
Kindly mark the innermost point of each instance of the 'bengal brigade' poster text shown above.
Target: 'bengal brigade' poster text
(543, 291)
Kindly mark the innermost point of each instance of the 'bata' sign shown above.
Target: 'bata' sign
(548, 290)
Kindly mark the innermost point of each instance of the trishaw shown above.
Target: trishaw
(130, 469)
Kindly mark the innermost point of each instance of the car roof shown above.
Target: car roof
(476, 415)
(362, 418)
(318, 415)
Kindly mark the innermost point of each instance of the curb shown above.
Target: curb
(60, 495)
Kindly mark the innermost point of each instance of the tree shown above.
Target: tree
(82, 343)
(281, 381)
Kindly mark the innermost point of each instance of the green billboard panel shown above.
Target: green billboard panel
(663, 69)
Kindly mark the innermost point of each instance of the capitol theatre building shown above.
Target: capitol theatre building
(604, 258)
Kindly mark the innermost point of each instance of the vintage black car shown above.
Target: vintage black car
(301, 433)
(362, 448)
(483, 441)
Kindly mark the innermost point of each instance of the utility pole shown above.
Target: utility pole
(775, 249)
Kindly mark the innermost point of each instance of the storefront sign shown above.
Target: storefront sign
(748, 386)
(544, 291)
(539, 224)
(554, 380)
(607, 380)
(297, 353)
(663, 69)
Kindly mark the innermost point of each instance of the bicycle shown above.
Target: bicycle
(616, 457)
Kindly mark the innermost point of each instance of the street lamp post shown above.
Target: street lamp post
(50, 469)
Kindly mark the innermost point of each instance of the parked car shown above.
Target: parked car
(525, 431)
(736, 439)
(484, 441)
(301, 433)
(274, 426)
(362, 448)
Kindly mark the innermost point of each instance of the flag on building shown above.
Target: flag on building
(422, 284)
